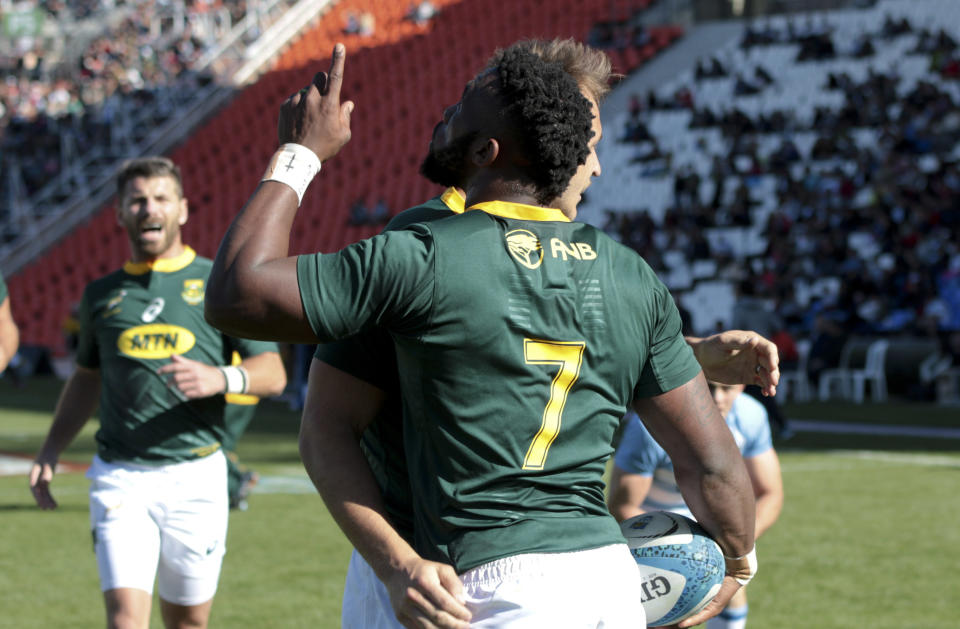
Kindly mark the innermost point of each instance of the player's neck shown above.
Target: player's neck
(498, 189)
(175, 250)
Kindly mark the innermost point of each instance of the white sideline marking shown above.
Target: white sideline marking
(284, 485)
(13, 466)
(850, 428)
(853, 456)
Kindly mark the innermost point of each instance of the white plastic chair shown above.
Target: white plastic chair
(796, 381)
(873, 372)
(839, 375)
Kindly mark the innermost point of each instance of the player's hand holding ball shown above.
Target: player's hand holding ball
(314, 117)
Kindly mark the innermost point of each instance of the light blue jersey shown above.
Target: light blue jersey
(639, 453)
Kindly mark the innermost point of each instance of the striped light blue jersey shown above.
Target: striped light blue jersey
(639, 453)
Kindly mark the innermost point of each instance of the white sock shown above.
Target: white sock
(730, 618)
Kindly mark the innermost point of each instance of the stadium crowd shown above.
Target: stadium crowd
(139, 50)
(867, 231)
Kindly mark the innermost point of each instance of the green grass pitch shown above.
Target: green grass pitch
(868, 535)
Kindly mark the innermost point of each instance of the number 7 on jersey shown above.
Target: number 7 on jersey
(568, 356)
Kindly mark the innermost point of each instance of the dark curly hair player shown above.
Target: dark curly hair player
(521, 339)
(549, 115)
(538, 117)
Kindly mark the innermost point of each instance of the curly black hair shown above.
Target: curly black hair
(553, 119)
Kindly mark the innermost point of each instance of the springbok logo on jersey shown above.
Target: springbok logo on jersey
(192, 292)
(113, 306)
(525, 248)
(155, 340)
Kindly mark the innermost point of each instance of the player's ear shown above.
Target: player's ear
(484, 152)
(184, 212)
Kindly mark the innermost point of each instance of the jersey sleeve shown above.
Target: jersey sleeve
(638, 452)
(88, 354)
(247, 347)
(3, 289)
(671, 362)
(368, 356)
(386, 280)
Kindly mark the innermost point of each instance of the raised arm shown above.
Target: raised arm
(337, 410)
(253, 290)
(709, 471)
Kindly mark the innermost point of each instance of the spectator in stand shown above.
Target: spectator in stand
(421, 12)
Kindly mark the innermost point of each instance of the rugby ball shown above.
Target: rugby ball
(681, 567)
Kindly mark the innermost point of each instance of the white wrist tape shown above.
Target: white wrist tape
(294, 165)
(236, 378)
(742, 569)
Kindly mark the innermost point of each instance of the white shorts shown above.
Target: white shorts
(166, 522)
(366, 602)
(598, 588)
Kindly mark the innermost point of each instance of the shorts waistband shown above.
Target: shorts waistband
(531, 564)
(210, 459)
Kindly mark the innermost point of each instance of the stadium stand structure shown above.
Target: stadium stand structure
(400, 79)
(832, 181)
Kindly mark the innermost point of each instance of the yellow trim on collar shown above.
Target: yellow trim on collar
(452, 198)
(521, 211)
(162, 265)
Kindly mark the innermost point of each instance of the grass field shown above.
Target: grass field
(868, 537)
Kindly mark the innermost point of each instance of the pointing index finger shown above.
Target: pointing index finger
(335, 76)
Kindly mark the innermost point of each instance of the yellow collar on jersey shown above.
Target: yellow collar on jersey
(521, 211)
(452, 198)
(162, 265)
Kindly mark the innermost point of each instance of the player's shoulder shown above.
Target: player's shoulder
(428, 211)
(105, 283)
(200, 263)
(609, 247)
(750, 413)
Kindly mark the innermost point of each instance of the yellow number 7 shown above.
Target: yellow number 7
(569, 357)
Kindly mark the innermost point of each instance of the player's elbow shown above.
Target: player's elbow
(225, 306)
(221, 315)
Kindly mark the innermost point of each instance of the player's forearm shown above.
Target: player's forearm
(707, 463)
(338, 409)
(267, 376)
(77, 402)
(768, 510)
(9, 335)
(342, 476)
(720, 499)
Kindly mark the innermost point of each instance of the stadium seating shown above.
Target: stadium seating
(839, 376)
(795, 381)
(634, 184)
(400, 80)
(874, 372)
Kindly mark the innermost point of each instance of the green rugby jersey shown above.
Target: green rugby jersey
(370, 357)
(3, 288)
(131, 322)
(520, 337)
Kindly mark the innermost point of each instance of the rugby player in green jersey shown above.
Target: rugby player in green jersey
(158, 492)
(358, 375)
(9, 333)
(521, 339)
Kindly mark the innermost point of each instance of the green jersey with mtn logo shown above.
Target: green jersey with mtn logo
(131, 322)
